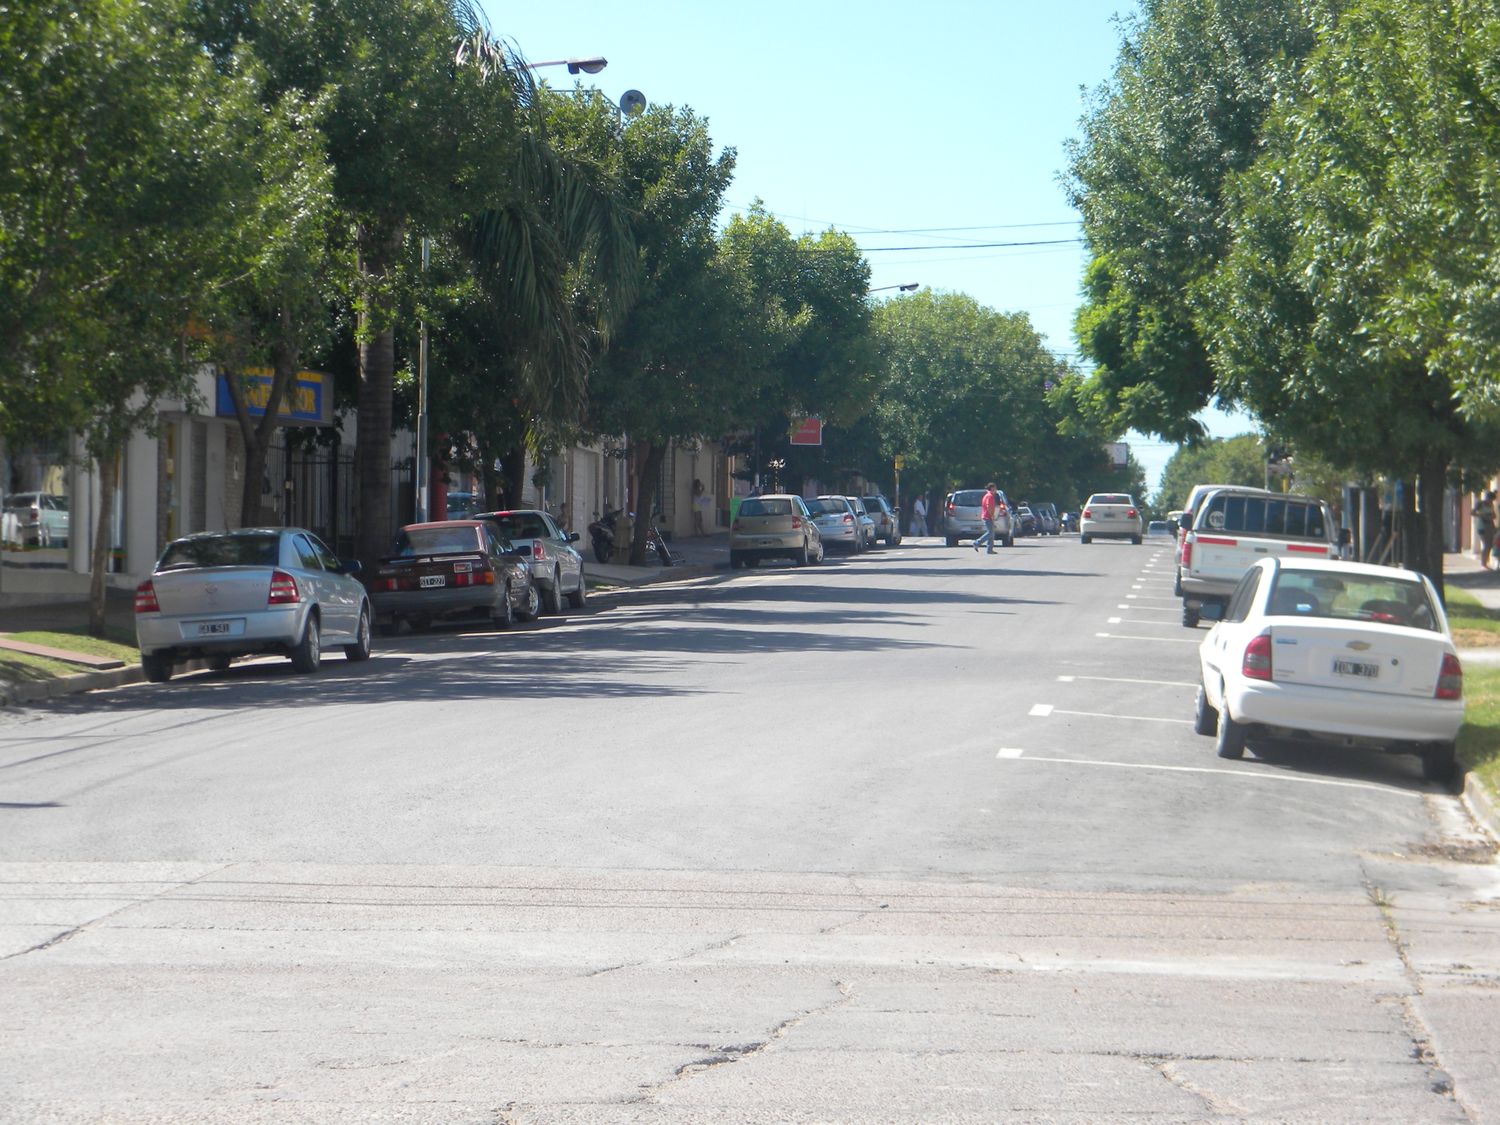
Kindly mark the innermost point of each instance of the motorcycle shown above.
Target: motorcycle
(602, 536)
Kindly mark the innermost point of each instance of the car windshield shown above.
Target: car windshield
(1352, 597)
(520, 527)
(761, 506)
(437, 540)
(256, 549)
(823, 507)
(874, 503)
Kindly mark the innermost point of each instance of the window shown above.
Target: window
(437, 541)
(261, 549)
(760, 506)
(307, 555)
(331, 562)
(1244, 594)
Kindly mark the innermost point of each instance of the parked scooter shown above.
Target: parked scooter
(602, 535)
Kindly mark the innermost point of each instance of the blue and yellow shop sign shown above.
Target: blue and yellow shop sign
(307, 402)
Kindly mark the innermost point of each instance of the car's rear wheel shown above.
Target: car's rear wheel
(1085, 538)
(553, 594)
(1205, 718)
(1190, 617)
(1177, 583)
(307, 656)
(360, 649)
(533, 605)
(1008, 541)
(1231, 740)
(579, 596)
(1439, 762)
(158, 669)
(802, 557)
(951, 540)
(1136, 539)
(218, 663)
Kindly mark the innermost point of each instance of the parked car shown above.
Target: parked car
(774, 526)
(453, 568)
(887, 520)
(556, 565)
(961, 518)
(222, 594)
(1161, 529)
(462, 505)
(866, 521)
(838, 526)
(1357, 654)
(1048, 522)
(1232, 528)
(1026, 521)
(1185, 518)
(1110, 515)
(35, 519)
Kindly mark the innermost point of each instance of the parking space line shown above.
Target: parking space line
(1018, 755)
(1041, 710)
(1009, 752)
(1169, 640)
(1126, 680)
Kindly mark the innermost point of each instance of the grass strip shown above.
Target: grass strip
(20, 667)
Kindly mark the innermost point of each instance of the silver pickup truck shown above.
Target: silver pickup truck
(1232, 528)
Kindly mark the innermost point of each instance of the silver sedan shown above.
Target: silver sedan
(556, 565)
(224, 594)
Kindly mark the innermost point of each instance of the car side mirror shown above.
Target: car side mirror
(351, 567)
(574, 537)
(1185, 522)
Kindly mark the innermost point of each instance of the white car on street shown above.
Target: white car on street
(1111, 515)
(1351, 653)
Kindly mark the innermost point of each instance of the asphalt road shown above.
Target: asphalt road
(924, 835)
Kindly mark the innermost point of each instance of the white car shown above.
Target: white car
(837, 524)
(556, 565)
(1337, 651)
(1110, 515)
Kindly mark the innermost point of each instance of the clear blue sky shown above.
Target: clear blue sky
(887, 120)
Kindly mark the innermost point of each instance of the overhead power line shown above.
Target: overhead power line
(972, 245)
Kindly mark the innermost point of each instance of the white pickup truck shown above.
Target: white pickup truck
(1233, 527)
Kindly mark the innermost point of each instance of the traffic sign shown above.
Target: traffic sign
(808, 432)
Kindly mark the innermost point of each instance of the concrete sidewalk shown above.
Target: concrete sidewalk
(693, 557)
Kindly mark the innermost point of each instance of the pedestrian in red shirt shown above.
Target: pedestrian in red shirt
(989, 508)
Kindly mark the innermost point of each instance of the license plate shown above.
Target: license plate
(432, 580)
(1357, 668)
(213, 628)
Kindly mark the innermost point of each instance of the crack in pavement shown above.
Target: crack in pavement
(1219, 1106)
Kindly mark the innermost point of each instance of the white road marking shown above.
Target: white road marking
(1291, 778)
(1106, 715)
(1009, 752)
(1168, 640)
(1041, 710)
(1113, 621)
(1125, 680)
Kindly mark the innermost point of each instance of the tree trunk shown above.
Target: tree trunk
(109, 475)
(377, 369)
(1429, 523)
(286, 357)
(645, 499)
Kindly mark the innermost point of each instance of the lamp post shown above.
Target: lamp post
(905, 287)
(422, 473)
(590, 64)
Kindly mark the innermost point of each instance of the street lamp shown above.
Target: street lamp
(593, 64)
(905, 287)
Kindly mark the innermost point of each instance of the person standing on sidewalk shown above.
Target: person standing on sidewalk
(989, 507)
(1484, 526)
(918, 516)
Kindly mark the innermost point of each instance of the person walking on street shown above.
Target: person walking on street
(989, 507)
(1484, 527)
(919, 515)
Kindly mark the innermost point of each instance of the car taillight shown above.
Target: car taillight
(848, 519)
(952, 506)
(735, 526)
(1000, 507)
(1131, 514)
(1088, 513)
(1187, 553)
(283, 589)
(1257, 663)
(796, 523)
(536, 550)
(1450, 683)
(145, 598)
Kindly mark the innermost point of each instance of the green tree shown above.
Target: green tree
(1237, 460)
(128, 159)
(1337, 310)
(676, 365)
(1194, 81)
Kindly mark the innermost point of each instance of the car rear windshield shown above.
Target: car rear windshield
(1110, 498)
(969, 498)
(875, 503)
(1303, 593)
(437, 541)
(260, 549)
(760, 506)
(520, 527)
(823, 507)
(1256, 515)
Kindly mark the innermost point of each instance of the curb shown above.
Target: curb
(36, 690)
(1481, 805)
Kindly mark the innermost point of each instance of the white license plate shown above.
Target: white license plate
(213, 628)
(1357, 668)
(432, 580)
